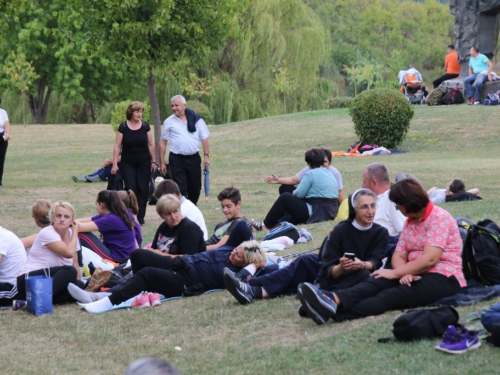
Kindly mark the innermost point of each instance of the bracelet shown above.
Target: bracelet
(207, 155)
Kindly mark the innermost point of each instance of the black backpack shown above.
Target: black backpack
(424, 323)
(453, 96)
(283, 228)
(481, 253)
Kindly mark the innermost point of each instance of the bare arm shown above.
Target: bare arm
(341, 196)
(88, 226)
(273, 179)
(83, 220)
(66, 250)
(6, 127)
(490, 69)
(116, 152)
(151, 148)
(162, 150)
(28, 241)
(222, 242)
(206, 151)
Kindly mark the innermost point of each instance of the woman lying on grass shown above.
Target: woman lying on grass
(427, 265)
(174, 277)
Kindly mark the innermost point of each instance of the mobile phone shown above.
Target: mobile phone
(350, 256)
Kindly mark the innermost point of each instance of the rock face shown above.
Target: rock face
(476, 24)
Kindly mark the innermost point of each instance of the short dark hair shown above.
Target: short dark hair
(457, 186)
(475, 49)
(451, 46)
(166, 187)
(315, 157)
(230, 193)
(328, 154)
(410, 194)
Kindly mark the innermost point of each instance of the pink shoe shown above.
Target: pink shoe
(154, 299)
(141, 301)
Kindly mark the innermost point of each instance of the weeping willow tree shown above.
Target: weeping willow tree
(271, 32)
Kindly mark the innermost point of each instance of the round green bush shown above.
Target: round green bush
(381, 117)
(201, 109)
(118, 114)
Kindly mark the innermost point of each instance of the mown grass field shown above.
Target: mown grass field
(216, 335)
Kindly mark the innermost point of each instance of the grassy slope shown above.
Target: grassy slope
(215, 333)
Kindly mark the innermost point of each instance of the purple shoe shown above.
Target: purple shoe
(457, 342)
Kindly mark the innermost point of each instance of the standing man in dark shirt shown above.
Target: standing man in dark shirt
(185, 129)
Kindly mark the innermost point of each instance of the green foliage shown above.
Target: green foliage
(118, 114)
(283, 81)
(201, 109)
(381, 116)
(339, 102)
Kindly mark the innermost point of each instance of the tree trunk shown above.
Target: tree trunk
(24, 108)
(155, 111)
(284, 102)
(39, 104)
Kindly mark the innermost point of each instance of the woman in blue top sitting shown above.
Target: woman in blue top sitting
(116, 224)
(314, 200)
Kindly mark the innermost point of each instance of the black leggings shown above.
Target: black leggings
(152, 273)
(287, 208)
(61, 277)
(137, 179)
(376, 296)
(90, 241)
(443, 78)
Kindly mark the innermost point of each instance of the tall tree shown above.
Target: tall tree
(154, 35)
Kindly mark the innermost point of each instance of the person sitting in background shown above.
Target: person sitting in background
(174, 277)
(480, 68)
(358, 235)
(40, 213)
(234, 230)
(101, 175)
(116, 224)
(427, 265)
(12, 258)
(55, 251)
(451, 66)
(177, 235)
(288, 183)
(454, 192)
(314, 200)
(188, 208)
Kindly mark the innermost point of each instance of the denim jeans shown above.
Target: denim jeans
(479, 79)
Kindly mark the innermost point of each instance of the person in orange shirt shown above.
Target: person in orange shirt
(451, 65)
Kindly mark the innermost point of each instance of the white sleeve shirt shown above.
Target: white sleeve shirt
(387, 215)
(181, 140)
(3, 117)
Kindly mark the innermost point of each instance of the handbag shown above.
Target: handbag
(39, 294)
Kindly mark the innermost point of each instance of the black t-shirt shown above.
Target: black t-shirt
(369, 245)
(135, 144)
(185, 238)
(223, 229)
(464, 196)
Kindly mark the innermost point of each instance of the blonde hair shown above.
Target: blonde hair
(65, 205)
(253, 252)
(166, 204)
(40, 210)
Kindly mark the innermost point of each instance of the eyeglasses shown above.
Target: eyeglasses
(366, 207)
(252, 249)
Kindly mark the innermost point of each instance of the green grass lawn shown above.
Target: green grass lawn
(216, 335)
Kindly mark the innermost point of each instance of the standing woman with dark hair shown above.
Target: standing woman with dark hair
(314, 200)
(427, 265)
(135, 141)
(115, 223)
(4, 138)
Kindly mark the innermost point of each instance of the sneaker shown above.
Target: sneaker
(471, 100)
(318, 301)
(477, 103)
(257, 225)
(154, 299)
(239, 289)
(141, 301)
(307, 311)
(94, 179)
(457, 342)
(79, 178)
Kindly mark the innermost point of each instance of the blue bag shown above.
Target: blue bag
(39, 294)
(283, 228)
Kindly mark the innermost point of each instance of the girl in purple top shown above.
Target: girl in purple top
(115, 223)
